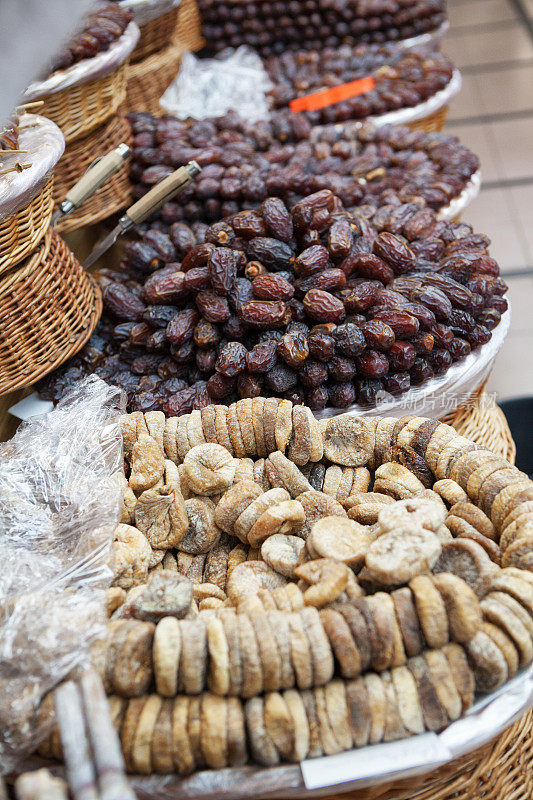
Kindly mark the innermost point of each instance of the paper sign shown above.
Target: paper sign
(379, 759)
(328, 97)
(31, 406)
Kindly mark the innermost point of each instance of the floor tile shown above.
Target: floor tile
(510, 43)
(462, 14)
(501, 91)
(512, 375)
(468, 102)
(492, 213)
(513, 144)
(477, 137)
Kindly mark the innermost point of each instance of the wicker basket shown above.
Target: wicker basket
(114, 195)
(149, 79)
(433, 123)
(188, 31)
(79, 109)
(21, 233)
(49, 307)
(155, 35)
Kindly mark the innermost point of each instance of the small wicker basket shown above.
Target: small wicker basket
(49, 307)
(79, 109)
(155, 35)
(149, 79)
(114, 195)
(20, 233)
(434, 123)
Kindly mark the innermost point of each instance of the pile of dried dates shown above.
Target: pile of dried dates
(312, 304)
(272, 27)
(101, 28)
(403, 78)
(244, 164)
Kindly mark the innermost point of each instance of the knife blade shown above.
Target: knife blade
(145, 207)
(97, 174)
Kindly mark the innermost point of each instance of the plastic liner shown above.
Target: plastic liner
(87, 70)
(438, 396)
(44, 145)
(210, 87)
(430, 41)
(456, 206)
(146, 10)
(61, 481)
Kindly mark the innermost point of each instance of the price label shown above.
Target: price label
(328, 97)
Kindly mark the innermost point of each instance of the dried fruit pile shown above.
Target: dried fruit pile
(403, 79)
(101, 27)
(285, 589)
(272, 27)
(316, 305)
(244, 164)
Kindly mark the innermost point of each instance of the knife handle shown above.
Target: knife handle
(97, 175)
(162, 192)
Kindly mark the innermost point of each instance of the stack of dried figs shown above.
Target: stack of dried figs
(272, 27)
(244, 164)
(312, 304)
(285, 589)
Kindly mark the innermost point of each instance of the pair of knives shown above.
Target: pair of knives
(98, 173)
(160, 194)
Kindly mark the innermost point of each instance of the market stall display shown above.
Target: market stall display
(313, 304)
(312, 587)
(274, 27)
(286, 157)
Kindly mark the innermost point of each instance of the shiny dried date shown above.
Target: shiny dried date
(322, 306)
(265, 314)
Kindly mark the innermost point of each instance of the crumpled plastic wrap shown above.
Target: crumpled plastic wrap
(44, 145)
(146, 10)
(61, 482)
(441, 395)
(211, 87)
(88, 69)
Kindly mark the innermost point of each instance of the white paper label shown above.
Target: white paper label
(31, 406)
(379, 759)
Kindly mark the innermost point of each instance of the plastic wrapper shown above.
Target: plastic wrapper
(88, 69)
(44, 145)
(456, 206)
(441, 395)
(61, 483)
(211, 87)
(146, 10)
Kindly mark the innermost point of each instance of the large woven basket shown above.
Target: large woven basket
(80, 109)
(431, 124)
(149, 79)
(49, 307)
(114, 195)
(188, 31)
(155, 35)
(20, 233)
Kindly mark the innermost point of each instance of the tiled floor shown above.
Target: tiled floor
(491, 41)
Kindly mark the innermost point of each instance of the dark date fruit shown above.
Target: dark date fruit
(276, 334)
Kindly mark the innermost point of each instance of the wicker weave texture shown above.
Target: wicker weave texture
(22, 232)
(501, 770)
(188, 32)
(149, 79)
(49, 307)
(433, 123)
(82, 108)
(155, 35)
(114, 195)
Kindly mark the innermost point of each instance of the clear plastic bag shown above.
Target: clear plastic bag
(209, 87)
(61, 482)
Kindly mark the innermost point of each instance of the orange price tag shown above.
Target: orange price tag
(328, 97)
